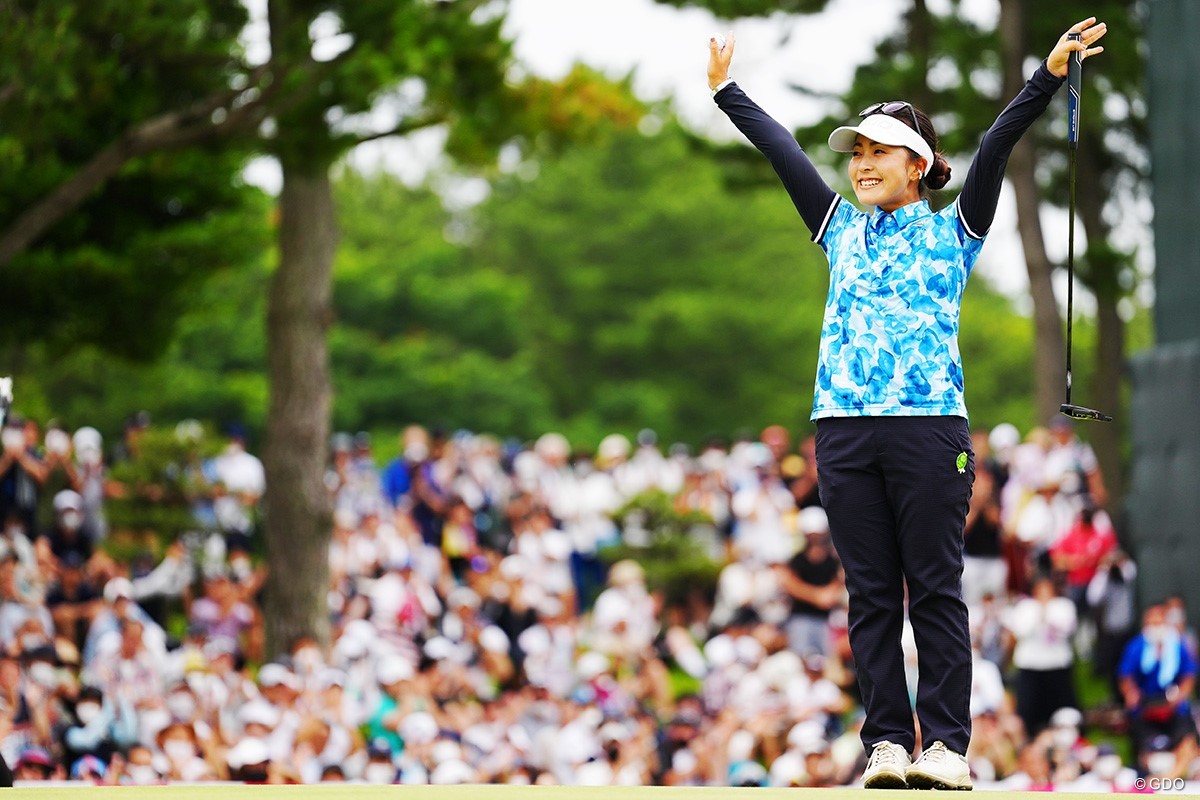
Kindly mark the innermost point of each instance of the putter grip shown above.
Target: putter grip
(1074, 82)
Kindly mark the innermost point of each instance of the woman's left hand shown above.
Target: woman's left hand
(1091, 32)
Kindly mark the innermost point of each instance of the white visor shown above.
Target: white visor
(885, 130)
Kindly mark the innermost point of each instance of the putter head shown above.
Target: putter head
(1079, 412)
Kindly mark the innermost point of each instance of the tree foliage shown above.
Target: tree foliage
(119, 270)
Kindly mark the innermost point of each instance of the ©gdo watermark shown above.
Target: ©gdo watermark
(1160, 784)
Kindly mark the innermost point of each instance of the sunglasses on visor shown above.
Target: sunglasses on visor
(890, 107)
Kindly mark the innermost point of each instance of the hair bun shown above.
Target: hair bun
(939, 174)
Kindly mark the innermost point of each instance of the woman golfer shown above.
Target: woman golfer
(893, 447)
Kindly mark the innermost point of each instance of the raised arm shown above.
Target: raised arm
(981, 189)
(810, 194)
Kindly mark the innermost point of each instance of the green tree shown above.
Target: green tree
(146, 229)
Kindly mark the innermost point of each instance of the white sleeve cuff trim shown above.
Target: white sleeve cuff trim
(963, 220)
(721, 86)
(820, 232)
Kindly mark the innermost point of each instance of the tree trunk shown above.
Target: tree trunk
(299, 312)
(1110, 370)
(1049, 361)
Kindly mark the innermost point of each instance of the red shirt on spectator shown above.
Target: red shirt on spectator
(1081, 550)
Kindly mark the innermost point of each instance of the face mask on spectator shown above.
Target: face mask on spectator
(181, 705)
(1065, 737)
(379, 773)
(87, 712)
(71, 520)
(307, 658)
(13, 531)
(143, 774)
(1107, 767)
(1160, 763)
(43, 674)
(1175, 617)
(31, 641)
(1155, 634)
(178, 749)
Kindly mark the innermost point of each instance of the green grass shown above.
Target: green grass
(361, 792)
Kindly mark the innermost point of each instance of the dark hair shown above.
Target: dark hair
(938, 173)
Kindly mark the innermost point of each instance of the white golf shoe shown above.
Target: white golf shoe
(939, 768)
(886, 767)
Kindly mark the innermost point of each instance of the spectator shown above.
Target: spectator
(985, 570)
(1110, 595)
(1042, 625)
(1158, 676)
(240, 480)
(92, 481)
(36, 764)
(220, 614)
(73, 599)
(181, 753)
(813, 582)
(22, 474)
(1077, 462)
(1079, 553)
(66, 534)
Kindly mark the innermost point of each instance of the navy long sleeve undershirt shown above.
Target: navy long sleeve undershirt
(815, 200)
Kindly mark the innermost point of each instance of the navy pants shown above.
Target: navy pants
(896, 490)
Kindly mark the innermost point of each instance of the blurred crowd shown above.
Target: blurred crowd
(481, 634)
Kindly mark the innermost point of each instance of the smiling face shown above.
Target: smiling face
(884, 175)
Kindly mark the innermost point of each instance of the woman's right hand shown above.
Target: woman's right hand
(718, 60)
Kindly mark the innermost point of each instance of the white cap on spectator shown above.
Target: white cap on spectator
(117, 588)
(439, 648)
(68, 499)
(331, 676)
(1004, 437)
(626, 573)
(749, 650)
(419, 727)
(513, 567)
(813, 519)
(553, 446)
(462, 597)
(445, 750)
(493, 640)
(612, 447)
(720, 650)
(394, 669)
(741, 746)
(87, 438)
(1066, 717)
(482, 738)
(591, 665)
(684, 761)
(534, 641)
(788, 769)
(807, 737)
(779, 668)
(247, 752)
(593, 773)
(613, 731)
(273, 674)
(452, 773)
(258, 712)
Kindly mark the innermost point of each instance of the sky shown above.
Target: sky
(665, 49)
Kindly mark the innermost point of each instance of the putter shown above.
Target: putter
(1074, 83)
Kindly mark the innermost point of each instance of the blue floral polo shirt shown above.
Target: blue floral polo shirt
(889, 341)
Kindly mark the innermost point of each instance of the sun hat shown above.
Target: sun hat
(885, 130)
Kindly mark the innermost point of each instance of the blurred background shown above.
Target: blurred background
(327, 233)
